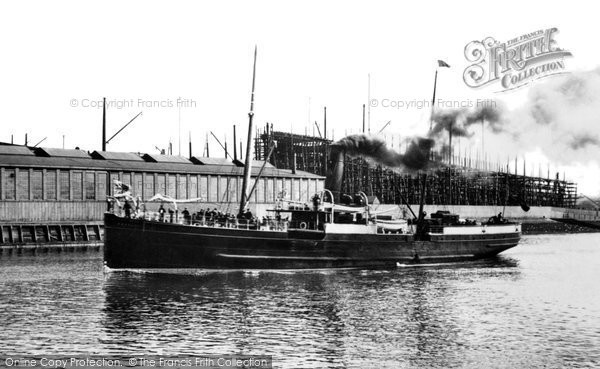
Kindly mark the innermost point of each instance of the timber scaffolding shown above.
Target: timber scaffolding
(465, 182)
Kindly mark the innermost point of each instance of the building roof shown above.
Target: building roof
(61, 153)
(211, 161)
(15, 150)
(159, 158)
(111, 155)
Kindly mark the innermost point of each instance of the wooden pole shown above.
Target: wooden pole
(104, 124)
(363, 131)
(234, 144)
(325, 122)
(207, 151)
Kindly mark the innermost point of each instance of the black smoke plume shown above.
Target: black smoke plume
(415, 158)
(459, 121)
(449, 120)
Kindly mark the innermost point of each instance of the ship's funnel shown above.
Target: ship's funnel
(335, 176)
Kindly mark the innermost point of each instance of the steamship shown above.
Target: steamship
(333, 231)
(328, 236)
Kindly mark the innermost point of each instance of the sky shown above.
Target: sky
(60, 58)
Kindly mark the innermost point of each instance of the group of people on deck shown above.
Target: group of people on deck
(203, 216)
(137, 209)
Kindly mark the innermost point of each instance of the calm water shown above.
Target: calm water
(537, 306)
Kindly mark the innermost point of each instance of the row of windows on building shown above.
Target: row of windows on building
(37, 184)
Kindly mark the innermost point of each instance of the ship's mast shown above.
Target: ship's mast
(248, 162)
(421, 215)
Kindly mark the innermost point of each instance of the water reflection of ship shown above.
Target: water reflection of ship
(225, 312)
(329, 317)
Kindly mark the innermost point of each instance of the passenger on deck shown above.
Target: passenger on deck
(171, 212)
(497, 219)
(127, 209)
(316, 200)
(186, 216)
(137, 202)
(161, 213)
(141, 209)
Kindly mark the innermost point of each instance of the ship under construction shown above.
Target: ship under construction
(459, 181)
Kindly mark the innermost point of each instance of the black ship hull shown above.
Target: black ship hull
(140, 244)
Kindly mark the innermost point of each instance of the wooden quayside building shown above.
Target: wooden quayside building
(58, 196)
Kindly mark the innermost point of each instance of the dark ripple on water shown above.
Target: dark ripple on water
(537, 306)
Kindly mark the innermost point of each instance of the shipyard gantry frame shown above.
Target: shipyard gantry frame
(465, 182)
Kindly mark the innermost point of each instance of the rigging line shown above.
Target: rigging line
(227, 191)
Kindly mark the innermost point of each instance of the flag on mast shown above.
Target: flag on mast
(442, 63)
